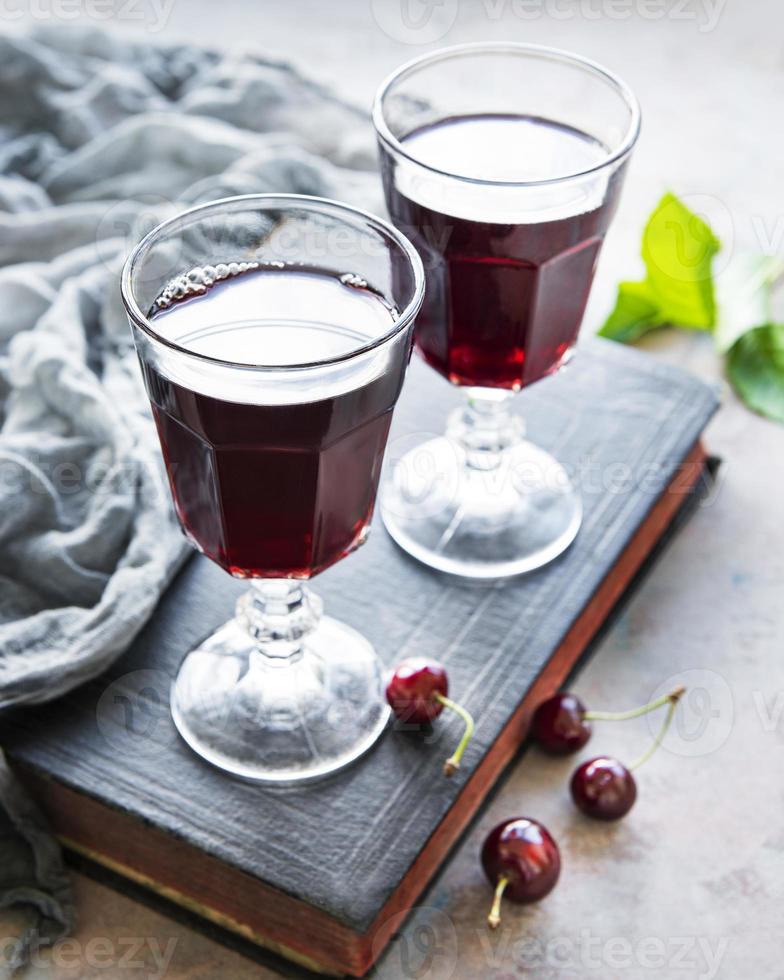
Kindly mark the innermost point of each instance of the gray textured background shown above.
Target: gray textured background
(691, 884)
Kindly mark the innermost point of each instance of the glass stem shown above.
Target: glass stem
(485, 427)
(279, 614)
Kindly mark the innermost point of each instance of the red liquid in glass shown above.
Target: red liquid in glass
(508, 271)
(274, 490)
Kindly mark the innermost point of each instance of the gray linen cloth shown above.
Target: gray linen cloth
(99, 140)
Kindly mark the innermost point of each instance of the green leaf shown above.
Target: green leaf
(755, 366)
(743, 295)
(635, 313)
(678, 249)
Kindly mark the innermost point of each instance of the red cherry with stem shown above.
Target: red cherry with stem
(413, 689)
(417, 693)
(604, 788)
(561, 724)
(522, 862)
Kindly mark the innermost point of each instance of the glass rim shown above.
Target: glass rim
(307, 202)
(509, 47)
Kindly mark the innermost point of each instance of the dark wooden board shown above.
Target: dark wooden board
(344, 850)
(261, 954)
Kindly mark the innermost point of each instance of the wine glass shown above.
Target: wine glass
(503, 164)
(273, 333)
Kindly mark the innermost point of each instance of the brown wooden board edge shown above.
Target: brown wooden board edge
(224, 895)
(286, 925)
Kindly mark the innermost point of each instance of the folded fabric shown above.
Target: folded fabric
(99, 140)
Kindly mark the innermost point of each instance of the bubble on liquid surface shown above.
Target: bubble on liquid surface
(352, 279)
(197, 281)
(278, 314)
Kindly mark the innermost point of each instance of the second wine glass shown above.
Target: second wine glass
(503, 163)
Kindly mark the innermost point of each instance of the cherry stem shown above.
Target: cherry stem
(673, 698)
(494, 919)
(452, 764)
(635, 712)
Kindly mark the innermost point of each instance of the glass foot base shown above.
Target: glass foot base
(481, 523)
(281, 719)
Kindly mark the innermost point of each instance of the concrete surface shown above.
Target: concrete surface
(691, 884)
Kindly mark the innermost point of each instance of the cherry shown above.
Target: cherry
(604, 788)
(521, 861)
(417, 693)
(561, 724)
(413, 689)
